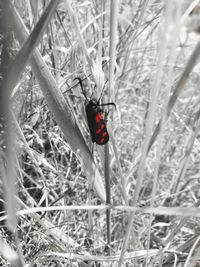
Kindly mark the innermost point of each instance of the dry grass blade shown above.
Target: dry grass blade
(58, 236)
(122, 184)
(14, 70)
(172, 42)
(190, 253)
(113, 41)
(76, 26)
(180, 224)
(183, 250)
(175, 211)
(108, 193)
(178, 88)
(130, 255)
(7, 152)
(20, 61)
(185, 160)
(195, 258)
(9, 254)
(61, 110)
(112, 57)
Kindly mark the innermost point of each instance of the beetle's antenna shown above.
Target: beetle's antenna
(81, 85)
(107, 104)
(102, 93)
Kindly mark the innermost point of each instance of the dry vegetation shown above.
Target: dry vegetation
(145, 212)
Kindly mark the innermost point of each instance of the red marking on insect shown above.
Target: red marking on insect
(102, 140)
(98, 131)
(99, 117)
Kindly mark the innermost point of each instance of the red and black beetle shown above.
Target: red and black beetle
(96, 121)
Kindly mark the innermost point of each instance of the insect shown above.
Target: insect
(95, 118)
